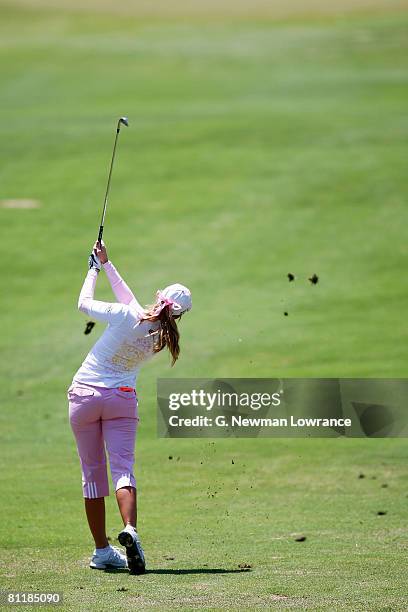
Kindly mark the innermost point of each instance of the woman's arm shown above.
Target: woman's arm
(121, 290)
(101, 311)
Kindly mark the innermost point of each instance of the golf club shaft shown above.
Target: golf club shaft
(108, 185)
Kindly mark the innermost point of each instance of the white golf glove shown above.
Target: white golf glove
(94, 262)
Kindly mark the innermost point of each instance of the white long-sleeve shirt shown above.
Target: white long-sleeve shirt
(126, 343)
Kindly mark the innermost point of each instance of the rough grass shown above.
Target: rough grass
(254, 150)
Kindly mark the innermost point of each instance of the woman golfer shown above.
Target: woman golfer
(103, 407)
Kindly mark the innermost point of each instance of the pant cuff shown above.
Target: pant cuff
(125, 480)
(92, 490)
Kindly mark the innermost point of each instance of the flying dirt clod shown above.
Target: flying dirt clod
(89, 327)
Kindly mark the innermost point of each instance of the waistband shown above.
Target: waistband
(99, 388)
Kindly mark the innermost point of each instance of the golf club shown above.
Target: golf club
(122, 121)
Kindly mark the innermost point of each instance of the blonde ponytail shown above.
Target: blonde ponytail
(168, 334)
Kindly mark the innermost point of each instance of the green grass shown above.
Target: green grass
(256, 148)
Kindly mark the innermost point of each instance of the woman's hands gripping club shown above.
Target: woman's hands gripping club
(99, 256)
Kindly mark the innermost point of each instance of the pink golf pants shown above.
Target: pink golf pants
(99, 417)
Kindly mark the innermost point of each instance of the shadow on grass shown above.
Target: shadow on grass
(181, 572)
(201, 570)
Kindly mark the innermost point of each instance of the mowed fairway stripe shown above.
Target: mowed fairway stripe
(249, 9)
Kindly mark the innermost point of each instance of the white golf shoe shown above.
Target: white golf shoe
(110, 557)
(129, 538)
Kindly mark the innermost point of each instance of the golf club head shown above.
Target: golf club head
(124, 120)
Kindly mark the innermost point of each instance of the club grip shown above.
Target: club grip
(100, 233)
